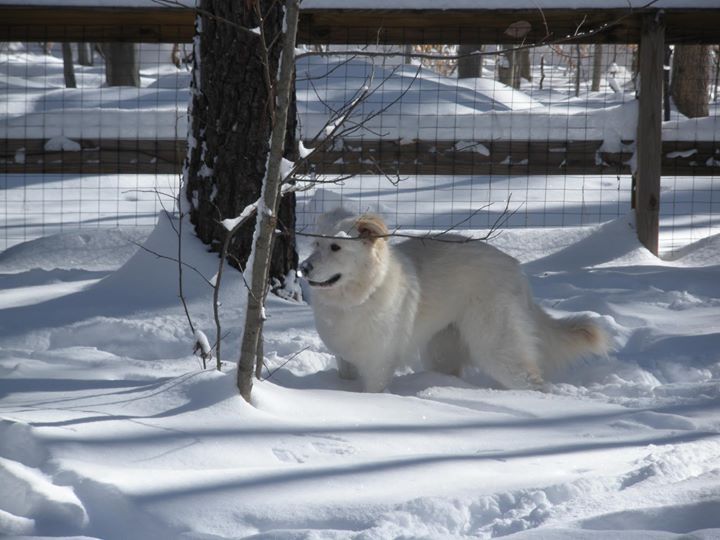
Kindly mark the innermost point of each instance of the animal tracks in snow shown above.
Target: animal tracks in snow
(312, 448)
(687, 468)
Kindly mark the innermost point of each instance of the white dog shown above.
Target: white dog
(377, 306)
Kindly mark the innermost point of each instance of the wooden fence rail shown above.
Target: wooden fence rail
(679, 158)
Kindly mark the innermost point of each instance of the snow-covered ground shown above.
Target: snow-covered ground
(111, 430)
(415, 102)
(38, 205)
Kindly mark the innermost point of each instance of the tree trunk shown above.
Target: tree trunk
(666, 83)
(251, 360)
(507, 70)
(717, 73)
(524, 68)
(407, 51)
(578, 70)
(597, 67)
(68, 67)
(690, 78)
(85, 53)
(122, 66)
(469, 66)
(230, 129)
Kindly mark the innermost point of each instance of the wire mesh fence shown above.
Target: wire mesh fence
(93, 135)
(545, 134)
(460, 144)
(79, 149)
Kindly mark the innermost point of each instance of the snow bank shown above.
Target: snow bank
(61, 144)
(411, 102)
(92, 250)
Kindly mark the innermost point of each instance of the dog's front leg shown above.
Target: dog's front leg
(376, 378)
(346, 370)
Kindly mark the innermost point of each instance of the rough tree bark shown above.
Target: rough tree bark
(85, 53)
(597, 67)
(122, 67)
(524, 67)
(578, 69)
(666, 84)
(469, 66)
(507, 71)
(68, 66)
(514, 66)
(690, 79)
(230, 128)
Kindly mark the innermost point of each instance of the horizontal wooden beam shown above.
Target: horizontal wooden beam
(357, 26)
(679, 158)
(96, 24)
(464, 26)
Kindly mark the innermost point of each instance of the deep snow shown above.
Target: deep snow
(110, 429)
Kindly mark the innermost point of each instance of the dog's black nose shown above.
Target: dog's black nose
(305, 268)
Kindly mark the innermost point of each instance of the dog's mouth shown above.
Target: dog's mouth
(326, 283)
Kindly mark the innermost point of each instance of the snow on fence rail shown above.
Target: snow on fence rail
(558, 139)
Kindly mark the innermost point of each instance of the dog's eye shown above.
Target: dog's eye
(334, 247)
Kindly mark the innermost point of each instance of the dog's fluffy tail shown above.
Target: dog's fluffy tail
(564, 340)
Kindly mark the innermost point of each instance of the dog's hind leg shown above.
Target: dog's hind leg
(506, 350)
(346, 370)
(446, 352)
(514, 369)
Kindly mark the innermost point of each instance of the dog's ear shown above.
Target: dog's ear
(371, 227)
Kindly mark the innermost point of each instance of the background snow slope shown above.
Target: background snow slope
(109, 429)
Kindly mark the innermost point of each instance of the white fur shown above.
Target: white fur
(454, 304)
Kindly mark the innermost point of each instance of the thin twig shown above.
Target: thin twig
(155, 191)
(175, 4)
(340, 117)
(161, 256)
(434, 236)
(224, 254)
(265, 59)
(178, 231)
(286, 362)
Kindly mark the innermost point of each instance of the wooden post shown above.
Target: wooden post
(649, 133)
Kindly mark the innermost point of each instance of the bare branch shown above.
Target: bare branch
(176, 4)
(265, 58)
(155, 191)
(340, 118)
(173, 259)
(224, 254)
(441, 236)
(286, 362)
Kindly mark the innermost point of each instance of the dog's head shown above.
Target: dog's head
(348, 260)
